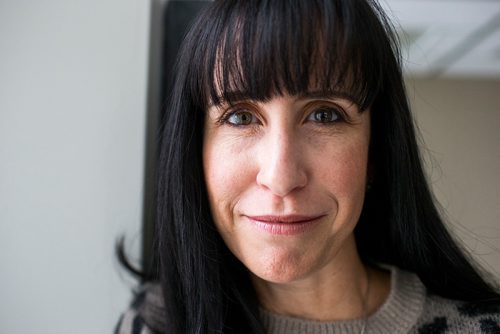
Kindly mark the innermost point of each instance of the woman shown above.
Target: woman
(291, 192)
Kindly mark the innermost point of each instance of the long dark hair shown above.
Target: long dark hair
(256, 49)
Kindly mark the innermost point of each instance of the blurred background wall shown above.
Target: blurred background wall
(75, 81)
(459, 122)
(451, 58)
(72, 132)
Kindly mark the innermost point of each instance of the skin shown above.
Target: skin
(288, 158)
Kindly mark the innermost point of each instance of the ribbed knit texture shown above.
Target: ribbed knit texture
(408, 309)
(398, 314)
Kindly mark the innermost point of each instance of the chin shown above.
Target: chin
(280, 266)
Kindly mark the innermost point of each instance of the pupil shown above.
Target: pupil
(241, 118)
(323, 116)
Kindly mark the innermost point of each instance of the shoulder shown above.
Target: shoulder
(132, 323)
(411, 308)
(145, 314)
(441, 315)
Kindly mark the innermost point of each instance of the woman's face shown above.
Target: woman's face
(286, 181)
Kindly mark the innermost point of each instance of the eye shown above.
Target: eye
(240, 117)
(325, 115)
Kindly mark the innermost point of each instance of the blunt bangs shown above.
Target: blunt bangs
(257, 49)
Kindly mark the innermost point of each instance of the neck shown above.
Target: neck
(343, 289)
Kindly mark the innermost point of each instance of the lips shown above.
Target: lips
(285, 224)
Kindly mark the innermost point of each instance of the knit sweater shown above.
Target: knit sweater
(409, 308)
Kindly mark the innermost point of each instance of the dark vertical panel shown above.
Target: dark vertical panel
(178, 18)
(169, 23)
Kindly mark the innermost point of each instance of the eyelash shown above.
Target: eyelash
(339, 113)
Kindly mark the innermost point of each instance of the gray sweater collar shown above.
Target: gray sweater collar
(398, 314)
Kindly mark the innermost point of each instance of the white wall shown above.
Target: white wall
(72, 120)
(460, 125)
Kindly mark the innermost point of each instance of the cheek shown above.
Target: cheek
(227, 174)
(350, 171)
(340, 171)
(349, 179)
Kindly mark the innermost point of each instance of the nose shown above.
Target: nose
(281, 164)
